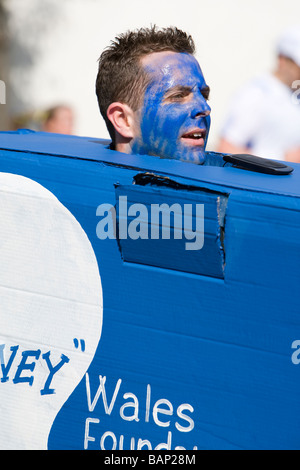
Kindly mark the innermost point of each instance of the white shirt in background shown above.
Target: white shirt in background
(264, 116)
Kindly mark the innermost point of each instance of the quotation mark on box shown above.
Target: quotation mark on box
(79, 343)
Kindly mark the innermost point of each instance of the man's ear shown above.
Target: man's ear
(121, 117)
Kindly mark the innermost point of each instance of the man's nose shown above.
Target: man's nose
(201, 114)
(201, 109)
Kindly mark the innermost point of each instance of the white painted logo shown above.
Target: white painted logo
(51, 310)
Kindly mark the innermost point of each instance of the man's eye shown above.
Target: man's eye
(178, 96)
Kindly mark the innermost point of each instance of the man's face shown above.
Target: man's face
(174, 120)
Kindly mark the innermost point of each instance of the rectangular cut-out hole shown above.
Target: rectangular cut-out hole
(172, 226)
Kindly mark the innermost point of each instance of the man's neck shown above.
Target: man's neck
(123, 144)
(123, 148)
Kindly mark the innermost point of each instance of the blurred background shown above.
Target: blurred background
(49, 51)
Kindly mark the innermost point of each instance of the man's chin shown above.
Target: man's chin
(192, 154)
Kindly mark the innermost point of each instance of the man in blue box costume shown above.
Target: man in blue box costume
(153, 96)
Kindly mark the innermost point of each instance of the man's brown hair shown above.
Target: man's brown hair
(121, 78)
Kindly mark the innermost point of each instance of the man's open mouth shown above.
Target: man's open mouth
(195, 137)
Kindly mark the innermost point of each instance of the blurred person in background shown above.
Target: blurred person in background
(264, 116)
(59, 120)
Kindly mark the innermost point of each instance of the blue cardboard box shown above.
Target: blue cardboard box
(145, 303)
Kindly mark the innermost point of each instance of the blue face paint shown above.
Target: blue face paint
(174, 120)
